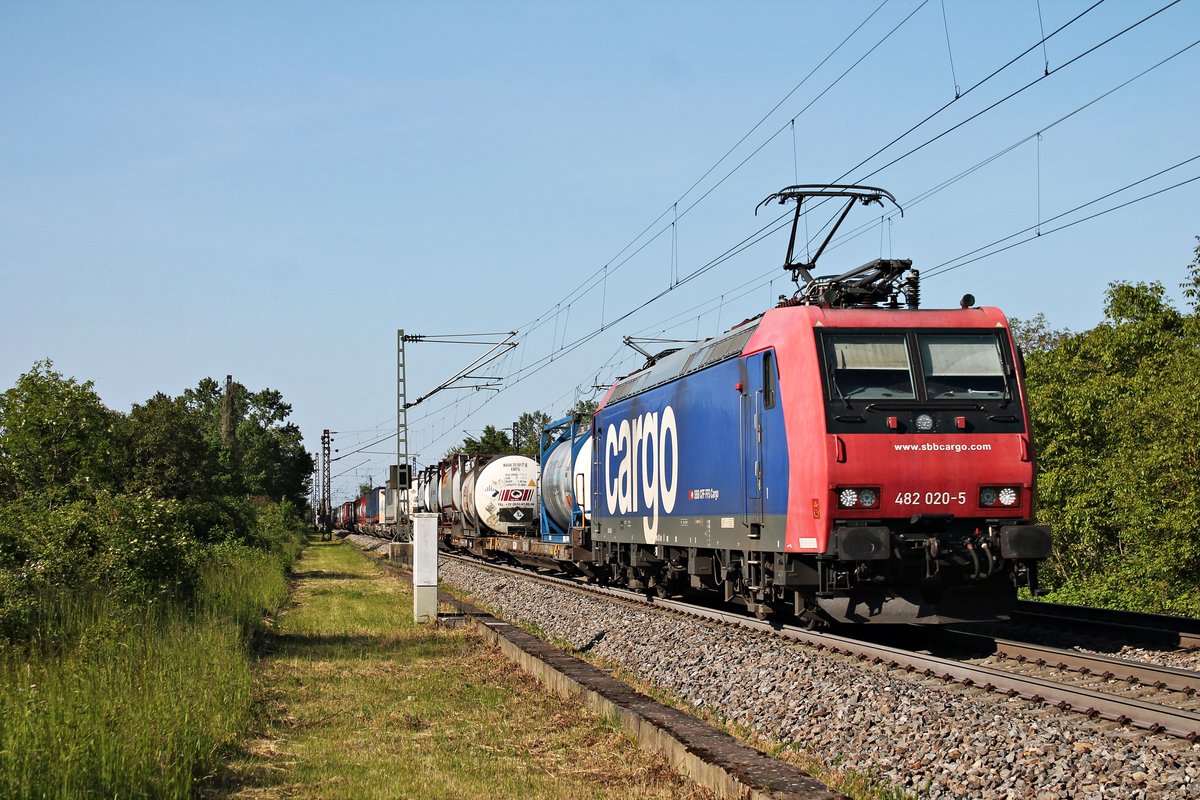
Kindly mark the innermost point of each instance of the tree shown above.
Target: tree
(169, 454)
(584, 408)
(58, 441)
(529, 433)
(491, 442)
(1036, 335)
(1114, 421)
(1191, 285)
(270, 459)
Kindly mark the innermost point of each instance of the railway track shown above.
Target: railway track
(1155, 699)
(1159, 629)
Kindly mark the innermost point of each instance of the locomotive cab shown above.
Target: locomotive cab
(930, 480)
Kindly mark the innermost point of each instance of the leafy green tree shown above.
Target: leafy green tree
(169, 453)
(1036, 335)
(491, 441)
(529, 432)
(268, 458)
(130, 505)
(58, 441)
(1114, 420)
(1191, 285)
(207, 399)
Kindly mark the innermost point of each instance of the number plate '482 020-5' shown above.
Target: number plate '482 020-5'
(931, 499)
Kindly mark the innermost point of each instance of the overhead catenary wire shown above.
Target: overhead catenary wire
(624, 255)
(947, 266)
(950, 265)
(999, 102)
(564, 346)
(586, 286)
(774, 225)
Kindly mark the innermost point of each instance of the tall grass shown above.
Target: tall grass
(112, 702)
(242, 584)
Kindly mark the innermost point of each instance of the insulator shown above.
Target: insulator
(912, 289)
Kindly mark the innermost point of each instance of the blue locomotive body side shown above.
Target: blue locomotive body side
(697, 461)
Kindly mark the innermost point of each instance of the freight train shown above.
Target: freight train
(843, 457)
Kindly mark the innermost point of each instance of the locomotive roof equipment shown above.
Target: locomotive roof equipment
(880, 281)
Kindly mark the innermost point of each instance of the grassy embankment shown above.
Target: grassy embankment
(113, 701)
(354, 700)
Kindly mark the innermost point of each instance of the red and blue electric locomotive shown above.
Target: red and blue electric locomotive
(841, 457)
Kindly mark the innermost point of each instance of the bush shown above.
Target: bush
(278, 529)
(136, 548)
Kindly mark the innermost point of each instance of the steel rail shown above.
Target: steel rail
(1090, 664)
(1182, 632)
(1136, 713)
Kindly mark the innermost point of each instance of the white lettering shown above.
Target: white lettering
(624, 486)
(611, 488)
(644, 452)
(650, 471)
(631, 455)
(667, 431)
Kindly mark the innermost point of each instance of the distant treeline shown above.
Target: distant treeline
(129, 503)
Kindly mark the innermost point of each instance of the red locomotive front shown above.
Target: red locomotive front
(911, 464)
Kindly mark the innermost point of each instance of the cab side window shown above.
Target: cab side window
(768, 379)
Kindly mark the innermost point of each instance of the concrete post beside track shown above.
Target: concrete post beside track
(425, 568)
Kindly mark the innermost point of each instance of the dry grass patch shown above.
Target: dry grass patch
(354, 700)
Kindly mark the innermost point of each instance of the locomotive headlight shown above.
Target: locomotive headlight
(924, 422)
(1006, 496)
(865, 497)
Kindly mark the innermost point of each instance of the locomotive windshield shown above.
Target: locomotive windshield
(870, 366)
(915, 365)
(962, 365)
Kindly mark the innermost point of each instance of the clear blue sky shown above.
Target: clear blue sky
(271, 189)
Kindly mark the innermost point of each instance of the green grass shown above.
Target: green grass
(354, 700)
(109, 701)
(856, 784)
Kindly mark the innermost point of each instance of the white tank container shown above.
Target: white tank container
(470, 472)
(408, 500)
(500, 494)
(564, 481)
(428, 488)
(456, 483)
(431, 493)
(445, 484)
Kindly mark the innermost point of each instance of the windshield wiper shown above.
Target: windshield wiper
(833, 382)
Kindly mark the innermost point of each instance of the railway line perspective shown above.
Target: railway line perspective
(518, 400)
(860, 496)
